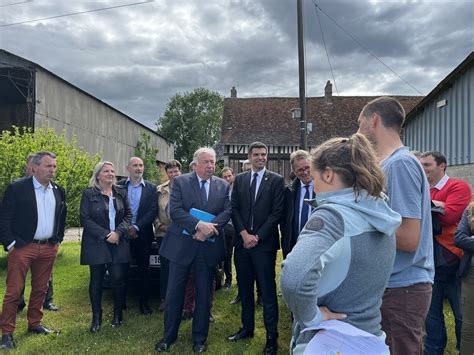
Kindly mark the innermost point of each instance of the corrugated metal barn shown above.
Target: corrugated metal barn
(443, 121)
(34, 97)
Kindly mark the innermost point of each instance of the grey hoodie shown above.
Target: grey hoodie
(342, 260)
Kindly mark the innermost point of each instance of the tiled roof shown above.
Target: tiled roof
(269, 119)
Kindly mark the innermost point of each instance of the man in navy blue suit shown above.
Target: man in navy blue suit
(201, 248)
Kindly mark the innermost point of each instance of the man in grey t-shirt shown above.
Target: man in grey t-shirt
(408, 295)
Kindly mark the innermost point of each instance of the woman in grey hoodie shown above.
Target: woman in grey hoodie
(344, 255)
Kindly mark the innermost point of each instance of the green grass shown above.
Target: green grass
(139, 333)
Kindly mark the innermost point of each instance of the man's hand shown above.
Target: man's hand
(199, 236)
(132, 232)
(112, 238)
(163, 228)
(206, 228)
(328, 315)
(250, 240)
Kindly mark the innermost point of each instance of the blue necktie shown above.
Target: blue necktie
(203, 192)
(304, 209)
(253, 191)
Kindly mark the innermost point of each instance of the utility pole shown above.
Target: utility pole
(303, 122)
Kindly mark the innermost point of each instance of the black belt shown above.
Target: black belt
(42, 241)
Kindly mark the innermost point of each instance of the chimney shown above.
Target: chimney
(328, 92)
(233, 92)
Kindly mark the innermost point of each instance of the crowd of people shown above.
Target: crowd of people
(372, 234)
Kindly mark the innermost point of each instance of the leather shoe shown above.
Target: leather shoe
(187, 315)
(21, 307)
(51, 307)
(271, 346)
(235, 300)
(7, 342)
(41, 329)
(199, 348)
(241, 334)
(145, 308)
(162, 347)
(117, 319)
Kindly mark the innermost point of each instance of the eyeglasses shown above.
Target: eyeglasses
(302, 170)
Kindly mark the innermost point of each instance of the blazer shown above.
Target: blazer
(463, 239)
(147, 208)
(186, 194)
(288, 229)
(94, 213)
(268, 209)
(19, 214)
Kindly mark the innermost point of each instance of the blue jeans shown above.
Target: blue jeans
(436, 337)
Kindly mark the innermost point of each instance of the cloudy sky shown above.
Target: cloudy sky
(135, 58)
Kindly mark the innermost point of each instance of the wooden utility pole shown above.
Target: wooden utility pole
(303, 122)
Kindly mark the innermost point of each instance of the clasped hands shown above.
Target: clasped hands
(250, 240)
(204, 230)
(112, 238)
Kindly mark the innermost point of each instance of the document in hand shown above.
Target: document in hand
(336, 337)
(202, 216)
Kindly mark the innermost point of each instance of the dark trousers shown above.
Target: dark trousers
(39, 258)
(404, 311)
(229, 232)
(436, 336)
(118, 274)
(141, 249)
(467, 299)
(164, 274)
(178, 278)
(257, 265)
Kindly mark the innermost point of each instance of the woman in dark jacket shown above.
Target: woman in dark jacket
(105, 216)
(464, 238)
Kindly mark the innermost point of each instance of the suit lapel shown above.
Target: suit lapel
(32, 197)
(196, 189)
(263, 185)
(142, 198)
(246, 187)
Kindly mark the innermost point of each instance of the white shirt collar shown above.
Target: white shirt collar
(311, 184)
(37, 184)
(199, 179)
(142, 182)
(260, 173)
(443, 181)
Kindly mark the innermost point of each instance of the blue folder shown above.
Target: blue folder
(202, 216)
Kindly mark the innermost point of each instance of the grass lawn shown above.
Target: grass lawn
(139, 333)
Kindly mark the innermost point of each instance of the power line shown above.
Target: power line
(367, 50)
(16, 3)
(76, 13)
(326, 49)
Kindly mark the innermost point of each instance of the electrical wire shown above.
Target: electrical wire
(16, 3)
(367, 50)
(76, 13)
(326, 49)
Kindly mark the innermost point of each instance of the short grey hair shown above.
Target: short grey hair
(36, 158)
(298, 155)
(97, 169)
(203, 150)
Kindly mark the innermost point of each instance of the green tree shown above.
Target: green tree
(74, 165)
(192, 120)
(147, 153)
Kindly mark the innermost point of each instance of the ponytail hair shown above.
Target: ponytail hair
(354, 160)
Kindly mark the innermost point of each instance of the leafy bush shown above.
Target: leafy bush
(147, 153)
(74, 165)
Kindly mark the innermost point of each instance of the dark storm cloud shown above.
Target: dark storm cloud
(136, 58)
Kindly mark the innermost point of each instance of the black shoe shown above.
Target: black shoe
(50, 306)
(187, 315)
(259, 301)
(21, 307)
(241, 334)
(117, 319)
(162, 347)
(96, 322)
(271, 346)
(199, 348)
(235, 300)
(7, 342)
(227, 285)
(211, 318)
(145, 308)
(41, 329)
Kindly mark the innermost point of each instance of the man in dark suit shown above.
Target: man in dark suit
(257, 208)
(201, 248)
(296, 210)
(143, 198)
(32, 220)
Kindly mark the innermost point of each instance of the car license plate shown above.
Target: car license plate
(154, 260)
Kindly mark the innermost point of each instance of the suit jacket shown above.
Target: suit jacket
(268, 209)
(186, 194)
(288, 227)
(19, 214)
(95, 220)
(147, 209)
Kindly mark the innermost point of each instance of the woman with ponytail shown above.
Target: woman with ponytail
(344, 255)
(464, 239)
